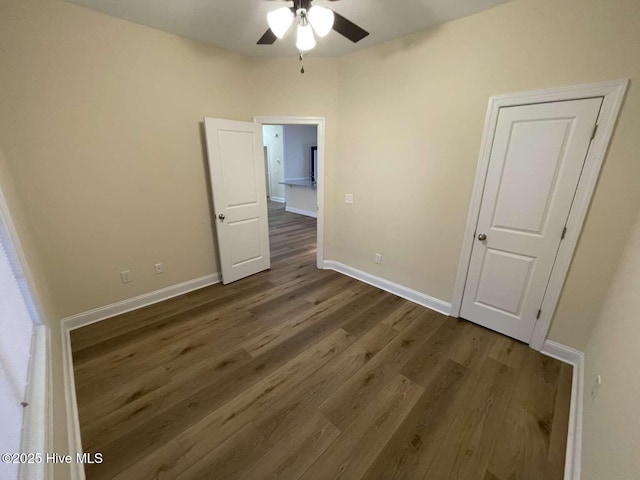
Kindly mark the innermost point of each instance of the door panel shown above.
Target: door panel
(536, 160)
(236, 166)
(503, 281)
(530, 175)
(242, 235)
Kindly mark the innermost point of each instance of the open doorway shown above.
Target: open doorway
(294, 166)
(291, 166)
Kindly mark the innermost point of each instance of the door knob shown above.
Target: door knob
(482, 237)
(221, 216)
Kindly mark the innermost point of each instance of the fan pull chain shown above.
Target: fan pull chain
(301, 56)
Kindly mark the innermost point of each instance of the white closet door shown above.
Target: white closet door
(536, 160)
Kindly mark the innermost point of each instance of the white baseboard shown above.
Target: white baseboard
(574, 437)
(299, 211)
(391, 287)
(38, 420)
(277, 199)
(71, 404)
(97, 314)
(562, 352)
(86, 318)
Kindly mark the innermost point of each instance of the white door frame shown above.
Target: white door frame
(267, 168)
(613, 93)
(319, 122)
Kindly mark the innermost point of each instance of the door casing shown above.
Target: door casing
(319, 122)
(613, 94)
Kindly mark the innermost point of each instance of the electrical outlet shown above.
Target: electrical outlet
(125, 276)
(348, 198)
(595, 389)
(378, 258)
(158, 268)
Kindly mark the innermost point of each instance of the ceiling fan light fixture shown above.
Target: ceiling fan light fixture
(280, 20)
(321, 20)
(305, 41)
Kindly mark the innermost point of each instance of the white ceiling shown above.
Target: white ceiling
(237, 25)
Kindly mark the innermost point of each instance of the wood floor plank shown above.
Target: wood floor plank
(234, 381)
(464, 451)
(522, 449)
(297, 450)
(261, 398)
(357, 447)
(560, 426)
(410, 451)
(508, 351)
(106, 416)
(287, 444)
(347, 300)
(315, 390)
(129, 326)
(376, 313)
(472, 348)
(363, 387)
(213, 429)
(158, 466)
(424, 364)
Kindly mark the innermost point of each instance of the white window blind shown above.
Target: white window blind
(16, 328)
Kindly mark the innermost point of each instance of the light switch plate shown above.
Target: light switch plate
(348, 198)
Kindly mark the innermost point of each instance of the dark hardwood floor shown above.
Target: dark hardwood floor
(299, 373)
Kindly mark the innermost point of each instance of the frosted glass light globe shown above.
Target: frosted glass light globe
(280, 20)
(321, 20)
(305, 41)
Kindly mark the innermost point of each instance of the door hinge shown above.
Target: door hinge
(564, 232)
(595, 130)
(538, 315)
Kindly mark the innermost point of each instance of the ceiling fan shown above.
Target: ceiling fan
(310, 18)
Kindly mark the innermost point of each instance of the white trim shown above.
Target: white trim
(97, 314)
(37, 422)
(573, 455)
(613, 93)
(405, 292)
(320, 122)
(562, 352)
(92, 316)
(71, 403)
(299, 211)
(277, 199)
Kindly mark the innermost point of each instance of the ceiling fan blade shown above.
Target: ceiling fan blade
(268, 38)
(348, 29)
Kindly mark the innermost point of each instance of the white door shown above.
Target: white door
(236, 166)
(536, 160)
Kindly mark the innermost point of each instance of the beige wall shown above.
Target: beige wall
(116, 176)
(101, 124)
(411, 115)
(611, 437)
